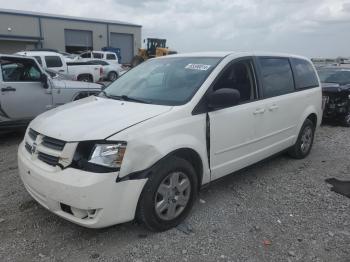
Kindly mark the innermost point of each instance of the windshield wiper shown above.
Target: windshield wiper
(132, 99)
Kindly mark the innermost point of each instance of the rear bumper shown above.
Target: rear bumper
(108, 202)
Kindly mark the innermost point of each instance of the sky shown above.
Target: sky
(314, 28)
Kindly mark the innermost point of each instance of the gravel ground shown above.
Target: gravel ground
(279, 210)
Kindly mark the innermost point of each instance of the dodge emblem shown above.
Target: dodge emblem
(34, 148)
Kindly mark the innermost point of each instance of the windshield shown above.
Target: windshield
(166, 81)
(341, 77)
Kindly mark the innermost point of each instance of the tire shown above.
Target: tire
(85, 78)
(136, 60)
(163, 190)
(303, 145)
(112, 76)
(346, 120)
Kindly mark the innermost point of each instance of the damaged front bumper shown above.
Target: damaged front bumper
(88, 199)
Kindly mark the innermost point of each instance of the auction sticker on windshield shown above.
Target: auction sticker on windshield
(197, 67)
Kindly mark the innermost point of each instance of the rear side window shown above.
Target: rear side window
(85, 55)
(111, 57)
(277, 76)
(97, 55)
(304, 73)
(53, 61)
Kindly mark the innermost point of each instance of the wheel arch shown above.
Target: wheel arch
(85, 74)
(188, 154)
(311, 114)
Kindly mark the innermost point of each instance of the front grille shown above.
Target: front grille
(28, 147)
(53, 143)
(33, 134)
(38, 144)
(50, 160)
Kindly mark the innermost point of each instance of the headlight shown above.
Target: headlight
(99, 156)
(108, 155)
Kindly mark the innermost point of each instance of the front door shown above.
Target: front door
(22, 94)
(232, 130)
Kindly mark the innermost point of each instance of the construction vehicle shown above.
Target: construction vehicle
(155, 47)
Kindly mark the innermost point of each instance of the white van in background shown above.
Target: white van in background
(56, 61)
(104, 55)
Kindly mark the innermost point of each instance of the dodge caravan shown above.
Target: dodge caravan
(143, 147)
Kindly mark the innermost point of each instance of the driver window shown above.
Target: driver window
(20, 71)
(240, 76)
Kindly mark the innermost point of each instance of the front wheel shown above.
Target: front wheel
(168, 195)
(303, 145)
(346, 120)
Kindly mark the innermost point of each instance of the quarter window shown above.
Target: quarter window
(111, 57)
(277, 76)
(304, 73)
(85, 55)
(97, 55)
(53, 61)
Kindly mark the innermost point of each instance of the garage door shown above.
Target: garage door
(10, 47)
(126, 44)
(78, 40)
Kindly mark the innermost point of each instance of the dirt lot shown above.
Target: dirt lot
(279, 210)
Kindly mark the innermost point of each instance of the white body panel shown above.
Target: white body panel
(239, 137)
(74, 70)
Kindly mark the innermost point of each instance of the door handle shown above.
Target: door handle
(8, 89)
(61, 71)
(273, 107)
(259, 111)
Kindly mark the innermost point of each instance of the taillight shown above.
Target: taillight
(101, 71)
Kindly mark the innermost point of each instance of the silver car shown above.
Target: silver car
(27, 91)
(111, 71)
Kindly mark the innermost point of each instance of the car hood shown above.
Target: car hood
(75, 84)
(93, 118)
(335, 88)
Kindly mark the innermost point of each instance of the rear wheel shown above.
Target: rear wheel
(168, 195)
(85, 78)
(112, 76)
(303, 145)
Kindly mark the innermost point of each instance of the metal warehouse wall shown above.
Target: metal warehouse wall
(20, 25)
(25, 31)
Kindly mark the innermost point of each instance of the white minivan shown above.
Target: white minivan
(144, 147)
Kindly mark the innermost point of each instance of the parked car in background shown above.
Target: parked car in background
(336, 93)
(55, 61)
(153, 137)
(69, 57)
(27, 91)
(56, 75)
(104, 55)
(111, 71)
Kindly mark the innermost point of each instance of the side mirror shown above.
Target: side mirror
(224, 97)
(44, 81)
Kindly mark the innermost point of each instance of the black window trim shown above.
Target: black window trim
(201, 107)
(294, 70)
(51, 56)
(35, 64)
(258, 58)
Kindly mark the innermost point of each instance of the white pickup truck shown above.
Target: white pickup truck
(79, 70)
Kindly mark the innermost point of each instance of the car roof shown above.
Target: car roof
(39, 53)
(16, 56)
(235, 54)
